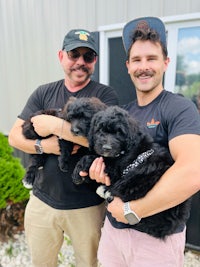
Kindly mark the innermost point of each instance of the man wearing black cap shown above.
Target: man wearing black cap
(177, 127)
(56, 206)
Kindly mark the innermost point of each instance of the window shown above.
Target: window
(187, 80)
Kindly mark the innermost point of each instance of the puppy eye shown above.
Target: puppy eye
(69, 117)
(120, 131)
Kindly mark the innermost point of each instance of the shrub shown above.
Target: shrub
(13, 195)
(11, 174)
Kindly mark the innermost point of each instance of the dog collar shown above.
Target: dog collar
(140, 159)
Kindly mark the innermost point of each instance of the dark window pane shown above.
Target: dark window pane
(118, 75)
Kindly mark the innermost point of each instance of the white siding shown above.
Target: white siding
(31, 33)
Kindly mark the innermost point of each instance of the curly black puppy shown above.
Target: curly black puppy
(134, 164)
(77, 111)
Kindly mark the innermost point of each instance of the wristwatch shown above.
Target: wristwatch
(130, 215)
(38, 147)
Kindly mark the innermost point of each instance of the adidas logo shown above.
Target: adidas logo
(152, 123)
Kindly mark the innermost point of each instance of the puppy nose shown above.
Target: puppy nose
(107, 147)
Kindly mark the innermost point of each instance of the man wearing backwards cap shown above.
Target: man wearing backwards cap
(57, 207)
(177, 128)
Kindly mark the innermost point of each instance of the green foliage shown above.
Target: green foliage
(11, 174)
(192, 90)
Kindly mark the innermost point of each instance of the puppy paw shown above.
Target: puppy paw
(103, 192)
(63, 168)
(77, 179)
(63, 165)
(27, 184)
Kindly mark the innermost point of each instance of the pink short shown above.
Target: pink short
(131, 248)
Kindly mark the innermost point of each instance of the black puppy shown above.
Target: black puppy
(134, 164)
(77, 111)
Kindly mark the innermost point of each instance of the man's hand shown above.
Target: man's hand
(97, 173)
(44, 124)
(116, 208)
(50, 145)
(75, 149)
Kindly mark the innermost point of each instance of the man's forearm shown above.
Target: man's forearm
(45, 125)
(17, 140)
(62, 130)
(173, 188)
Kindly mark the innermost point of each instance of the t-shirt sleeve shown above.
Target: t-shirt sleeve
(182, 118)
(51, 96)
(33, 104)
(108, 95)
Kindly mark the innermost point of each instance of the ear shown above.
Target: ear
(60, 55)
(166, 63)
(93, 126)
(133, 133)
(96, 58)
(71, 99)
(69, 102)
(138, 138)
(127, 65)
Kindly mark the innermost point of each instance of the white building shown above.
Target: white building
(32, 31)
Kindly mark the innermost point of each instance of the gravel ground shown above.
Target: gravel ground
(15, 254)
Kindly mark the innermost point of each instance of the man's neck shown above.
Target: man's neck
(144, 98)
(74, 87)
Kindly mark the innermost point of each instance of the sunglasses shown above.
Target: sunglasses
(88, 57)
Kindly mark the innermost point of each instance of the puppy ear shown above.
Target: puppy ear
(97, 104)
(68, 106)
(72, 99)
(94, 125)
(133, 132)
(69, 102)
(138, 137)
(91, 133)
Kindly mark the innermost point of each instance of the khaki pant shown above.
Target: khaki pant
(45, 228)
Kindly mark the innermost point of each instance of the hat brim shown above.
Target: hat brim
(72, 46)
(153, 22)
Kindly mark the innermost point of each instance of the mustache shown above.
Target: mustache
(144, 73)
(83, 68)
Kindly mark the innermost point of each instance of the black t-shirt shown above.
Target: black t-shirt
(167, 116)
(51, 185)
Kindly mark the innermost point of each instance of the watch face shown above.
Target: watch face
(38, 147)
(131, 218)
(130, 215)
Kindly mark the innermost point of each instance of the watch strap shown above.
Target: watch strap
(128, 211)
(38, 147)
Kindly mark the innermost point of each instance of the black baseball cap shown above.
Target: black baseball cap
(79, 38)
(153, 23)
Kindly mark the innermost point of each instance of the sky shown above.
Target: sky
(189, 47)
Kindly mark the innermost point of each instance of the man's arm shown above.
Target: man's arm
(17, 140)
(45, 125)
(179, 182)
